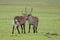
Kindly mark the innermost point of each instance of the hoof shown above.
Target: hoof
(19, 33)
(12, 33)
(24, 32)
(28, 32)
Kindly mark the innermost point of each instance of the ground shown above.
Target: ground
(49, 22)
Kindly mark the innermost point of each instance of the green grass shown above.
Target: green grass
(32, 2)
(49, 21)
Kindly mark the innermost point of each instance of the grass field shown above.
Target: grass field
(47, 11)
(49, 21)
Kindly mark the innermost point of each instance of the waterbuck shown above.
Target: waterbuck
(20, 21)
(33, 20)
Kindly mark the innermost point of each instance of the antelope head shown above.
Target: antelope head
(30, 14)
(27, 14)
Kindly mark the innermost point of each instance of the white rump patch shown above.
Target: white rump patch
(17, 23)
(16, 20)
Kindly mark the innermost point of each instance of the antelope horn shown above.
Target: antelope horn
(25, 9)
(31, 10)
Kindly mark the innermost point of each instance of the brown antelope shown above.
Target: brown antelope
(33, 20)
(20, 21)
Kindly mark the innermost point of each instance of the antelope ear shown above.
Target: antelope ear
(25, 14)
(30, 14)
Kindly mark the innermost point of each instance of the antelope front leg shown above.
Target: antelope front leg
(29, 28)
(33, 29)
(24, 28)
(36, 29)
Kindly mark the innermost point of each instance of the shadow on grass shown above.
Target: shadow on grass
(50, 35)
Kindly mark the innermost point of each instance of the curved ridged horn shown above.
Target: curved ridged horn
(31, 10)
